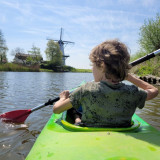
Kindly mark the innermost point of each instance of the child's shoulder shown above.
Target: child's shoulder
(92, 83)
(91, 86)
(133, 89)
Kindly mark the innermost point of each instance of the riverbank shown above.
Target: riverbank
(150, 67)
(36, 68)
(74, 71)
(82, 70)
(18, 68)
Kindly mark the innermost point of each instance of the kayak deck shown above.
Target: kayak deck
(58, 142)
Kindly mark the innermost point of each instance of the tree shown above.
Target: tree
(18, 55)
(30, 60)
(35, 55)
(53, 53)
(149, 41)
(17, 50)
(150, 35)
(3, 49)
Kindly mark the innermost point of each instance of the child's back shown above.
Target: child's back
(108, 105)
(107, 101)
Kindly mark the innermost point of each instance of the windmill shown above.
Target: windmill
(61, 45)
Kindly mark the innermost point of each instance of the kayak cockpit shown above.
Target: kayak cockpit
(68, 123)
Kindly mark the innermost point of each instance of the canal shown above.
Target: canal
(25, 90)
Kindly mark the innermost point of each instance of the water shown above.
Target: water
(25, 90)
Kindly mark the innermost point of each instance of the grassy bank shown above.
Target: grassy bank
(150, 67)
(18, 68)
(82, 70)
(46, 70)
(72, 70)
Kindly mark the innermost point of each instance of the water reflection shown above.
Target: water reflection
(151, 112)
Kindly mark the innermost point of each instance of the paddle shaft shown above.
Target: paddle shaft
(50, 102)
(145, 58)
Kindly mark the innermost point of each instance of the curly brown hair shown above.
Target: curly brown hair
(114, 56)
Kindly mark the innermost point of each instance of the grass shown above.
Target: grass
(82, 70)
(45, 70)
(18, 68)
(150, 67)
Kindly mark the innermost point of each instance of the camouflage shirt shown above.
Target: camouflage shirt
(108, 105)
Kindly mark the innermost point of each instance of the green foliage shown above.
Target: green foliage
(35, 50)
(3, 49)
(136, 56)
(69, 68)
(46, 70)
(72, 69)
(83, 70)
(144, 70)
(30, 60)
(150, 35)
(35, 57)
(47, 67)
(149, 41)
(150, 67)
(54, 54)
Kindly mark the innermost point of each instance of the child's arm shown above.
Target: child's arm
(152, 91)
(63, 104)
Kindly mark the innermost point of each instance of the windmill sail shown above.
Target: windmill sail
(61, 45)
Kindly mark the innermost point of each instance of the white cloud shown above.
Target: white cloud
(13, 4)
(23, 8)
(37, 31)
(87, 24)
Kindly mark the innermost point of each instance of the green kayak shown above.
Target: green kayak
(61, 140)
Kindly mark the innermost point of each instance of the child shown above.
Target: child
(108, 102)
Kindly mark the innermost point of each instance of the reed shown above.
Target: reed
(18, 68)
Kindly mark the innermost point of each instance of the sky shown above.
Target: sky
(87, 23)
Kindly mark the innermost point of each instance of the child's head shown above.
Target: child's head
(112, 57)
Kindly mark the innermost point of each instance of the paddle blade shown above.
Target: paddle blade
(18, 116)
